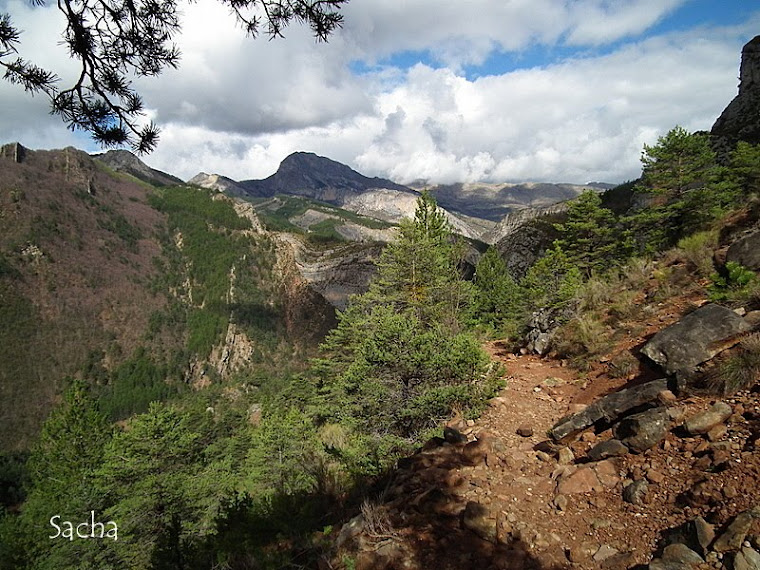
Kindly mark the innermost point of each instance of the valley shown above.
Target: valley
(326, 370)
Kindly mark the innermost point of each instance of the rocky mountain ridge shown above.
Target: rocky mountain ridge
(125, 161)
(307, 174)
(494, 202)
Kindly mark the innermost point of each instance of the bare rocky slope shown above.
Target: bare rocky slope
(125, 161)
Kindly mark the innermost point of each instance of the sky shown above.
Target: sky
(441, 91)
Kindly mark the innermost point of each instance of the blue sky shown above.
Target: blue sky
(684, 17)
(542, 90)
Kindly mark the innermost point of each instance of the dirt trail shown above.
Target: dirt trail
(512, 499)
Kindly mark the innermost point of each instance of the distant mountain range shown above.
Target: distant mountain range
(474, 210)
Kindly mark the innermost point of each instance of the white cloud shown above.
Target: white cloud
(598, 22)
(238, 106)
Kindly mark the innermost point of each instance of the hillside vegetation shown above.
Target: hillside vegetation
(253, 469)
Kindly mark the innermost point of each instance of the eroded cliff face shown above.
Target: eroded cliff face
(336, 273)
(740, 121)
(523, 236)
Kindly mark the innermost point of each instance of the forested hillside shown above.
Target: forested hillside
(238, 461)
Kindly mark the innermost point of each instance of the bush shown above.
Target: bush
(736, 283)
(581, 339)
(698, 250)
(623, 365)
(740, 371)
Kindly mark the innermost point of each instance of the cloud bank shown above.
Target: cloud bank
(424, 89)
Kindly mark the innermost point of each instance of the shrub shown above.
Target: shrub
(741, 370)
(623, 365)
(733, 285)
(698, 251)
(581, 339)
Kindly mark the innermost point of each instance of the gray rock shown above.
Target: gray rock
(609, 408)
(350, 530)
(565, 456)
(643, 431)
(705, 533)
(525, 431)
(539, 342)
(746, 251)
(605, 551)
(751, 557)
(681, 553)
(478, 519)
(733, 537)
(608, 448)
(635, 492)
(704, 421)
(696, 338)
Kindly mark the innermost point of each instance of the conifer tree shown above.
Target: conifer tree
(63, 470)
(402, 340)
(588, 234)
(166, 495)
(498, 297)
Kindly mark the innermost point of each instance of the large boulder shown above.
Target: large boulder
(609, 408)
(695, 339)
(746, 251)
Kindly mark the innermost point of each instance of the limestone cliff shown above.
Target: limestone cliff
(335, 273)
(740, 121)
(217, 182)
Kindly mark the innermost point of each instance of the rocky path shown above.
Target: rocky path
(498, 493)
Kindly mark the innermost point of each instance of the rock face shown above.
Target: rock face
(13, 151)
(696, 338)
(740, 121)
(125, 161)
(335, 274)
(521, 237)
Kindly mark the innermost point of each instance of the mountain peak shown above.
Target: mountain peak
(308, 174)
(124, 161)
